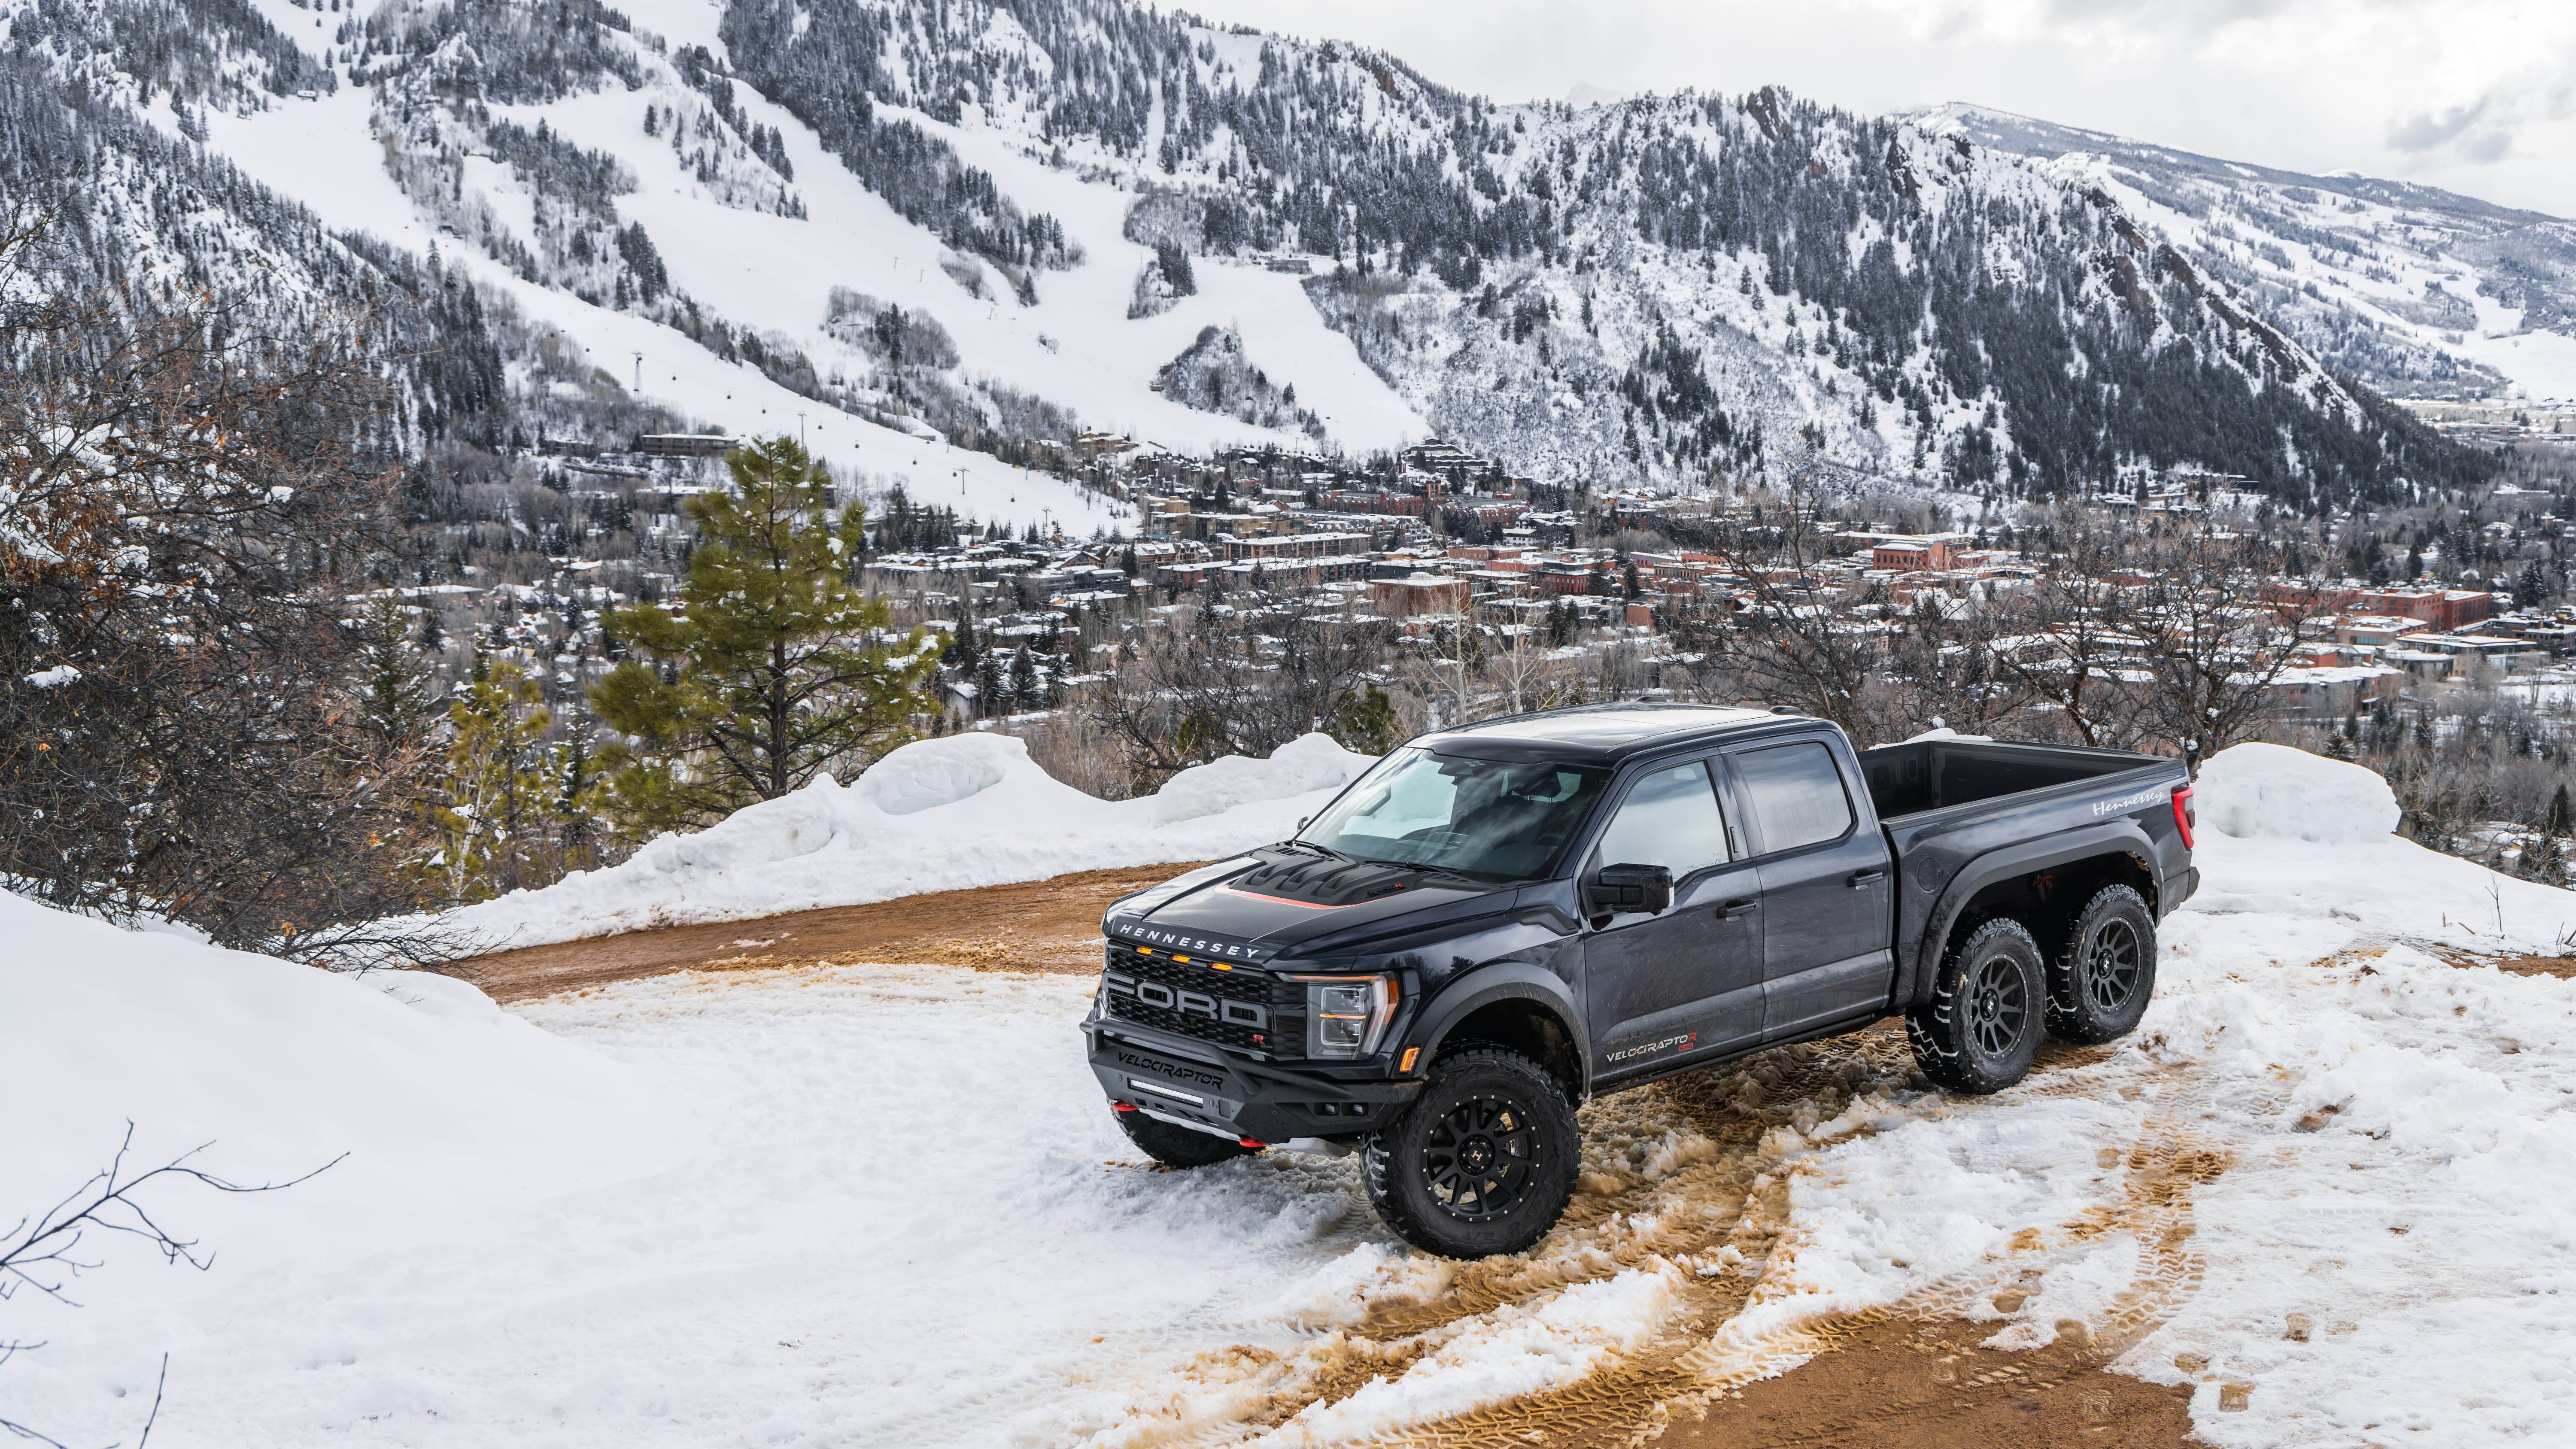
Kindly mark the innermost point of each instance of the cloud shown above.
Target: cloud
(2487, 148)
(2123, 23)
(2425, 130)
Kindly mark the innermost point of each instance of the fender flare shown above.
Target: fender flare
(1505, 981)
(2111, 837)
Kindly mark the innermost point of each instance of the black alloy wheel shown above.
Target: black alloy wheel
(1981, 1030)
(1998, 1006)
(1482, 1162)
(2103, 978)
(2111, 967)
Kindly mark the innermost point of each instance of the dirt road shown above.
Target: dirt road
(1047, 925)
(1910, 1376)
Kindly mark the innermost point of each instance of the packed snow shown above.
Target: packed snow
(455, 1119)
(2260, 790)
(943, 814)
(2325, 1184)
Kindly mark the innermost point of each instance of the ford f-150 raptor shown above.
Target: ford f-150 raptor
(1495, 922)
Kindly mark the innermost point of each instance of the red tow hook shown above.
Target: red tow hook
(1248, 1142)
(1122, 1106)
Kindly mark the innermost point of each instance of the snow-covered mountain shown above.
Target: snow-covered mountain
(2413, 290)
(936, 236)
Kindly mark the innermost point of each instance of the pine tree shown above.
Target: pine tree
(1024, 681)
(1365, 721)
(580, 792)
(400, 696)
(494, 815)
(2531, 586)
(777, 669)
(992, 686)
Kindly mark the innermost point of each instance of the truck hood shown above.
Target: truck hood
(1274, 902)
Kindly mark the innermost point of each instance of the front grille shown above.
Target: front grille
(1244, 1010)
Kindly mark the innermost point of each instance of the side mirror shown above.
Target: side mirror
(1303, 821)
(1628, 890)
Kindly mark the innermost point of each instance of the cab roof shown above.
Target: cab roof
(1597, 734)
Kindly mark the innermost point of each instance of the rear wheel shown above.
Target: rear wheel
(1981, 1031)
(2099, 987)
(1175, 1146)
(1483, 1162)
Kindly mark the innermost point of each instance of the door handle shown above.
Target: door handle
(1860, 878)
(1733, 909)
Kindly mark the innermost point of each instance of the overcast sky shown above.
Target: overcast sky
(2477, 96)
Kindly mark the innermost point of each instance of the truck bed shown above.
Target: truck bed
(1944, 803)
(1927, 775)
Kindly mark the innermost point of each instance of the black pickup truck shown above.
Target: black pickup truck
(1496, 922)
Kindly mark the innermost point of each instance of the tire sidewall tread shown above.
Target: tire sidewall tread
(1938, 1030)
(1404, 1203)
(2072, 1018)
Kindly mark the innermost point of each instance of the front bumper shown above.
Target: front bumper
(1199, 1082)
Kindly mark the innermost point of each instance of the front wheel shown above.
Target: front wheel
(1981, 1031)
(1483, 1162)
(2100, 985)
(1179, 1146)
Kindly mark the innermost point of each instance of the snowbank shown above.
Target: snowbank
(451, 1114)
(2274, 791)
(1307, 765)
(283, 1066)
(943, 814)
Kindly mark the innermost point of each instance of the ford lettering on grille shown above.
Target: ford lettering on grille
(1189, 1003)
(1237, 1009)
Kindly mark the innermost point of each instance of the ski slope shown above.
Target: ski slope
(1076, 347)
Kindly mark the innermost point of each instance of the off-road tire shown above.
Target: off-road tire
(1981, 1030)
(1483, 1162)
(2099, 985)
(1178, 1146)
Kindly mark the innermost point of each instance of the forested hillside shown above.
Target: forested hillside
(2412, 290)
(1663, 291)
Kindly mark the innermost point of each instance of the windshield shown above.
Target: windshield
(1503, 819)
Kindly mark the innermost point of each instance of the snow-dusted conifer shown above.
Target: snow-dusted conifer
(779, 669)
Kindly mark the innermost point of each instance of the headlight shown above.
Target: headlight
(1346, 1016)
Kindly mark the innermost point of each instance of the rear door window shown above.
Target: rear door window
(1795, 795)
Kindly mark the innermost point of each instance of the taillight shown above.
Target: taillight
(2184, 816)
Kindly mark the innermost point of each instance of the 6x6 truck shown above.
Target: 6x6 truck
(1496, 922)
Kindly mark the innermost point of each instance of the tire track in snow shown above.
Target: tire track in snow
(1716, 1219)
(2164, 1163)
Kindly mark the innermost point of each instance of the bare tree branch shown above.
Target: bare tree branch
(39, 1252)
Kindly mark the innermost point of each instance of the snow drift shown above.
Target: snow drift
(2273, 790)
(282, 1066)
(450, 1113)
(944, 814)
